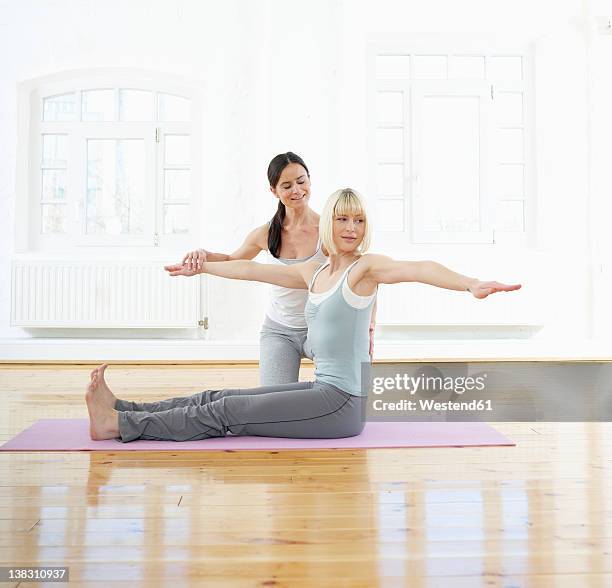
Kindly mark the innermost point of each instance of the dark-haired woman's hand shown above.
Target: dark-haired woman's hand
(195, 259)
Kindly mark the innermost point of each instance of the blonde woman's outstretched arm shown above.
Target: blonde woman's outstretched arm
(290, 276)
(383, 270)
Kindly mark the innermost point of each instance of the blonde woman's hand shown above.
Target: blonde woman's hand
(195, 259)
(181, 269)
(483, 289)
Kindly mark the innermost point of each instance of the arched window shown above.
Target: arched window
(110, 160)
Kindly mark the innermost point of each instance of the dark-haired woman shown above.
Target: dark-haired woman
(292, 236)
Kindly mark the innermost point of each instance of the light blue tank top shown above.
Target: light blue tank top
(338, 334)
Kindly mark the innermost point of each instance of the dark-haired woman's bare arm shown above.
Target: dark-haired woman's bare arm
(256, 241)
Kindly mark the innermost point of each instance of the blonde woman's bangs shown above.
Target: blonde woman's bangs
(345, 202)
(348, 204)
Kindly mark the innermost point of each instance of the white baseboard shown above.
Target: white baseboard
(65, 350)
(127, 349)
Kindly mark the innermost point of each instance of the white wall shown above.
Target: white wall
(288, 75)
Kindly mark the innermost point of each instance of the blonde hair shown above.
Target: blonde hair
(344, 202)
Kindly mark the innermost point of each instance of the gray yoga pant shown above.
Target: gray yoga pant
(280, 351)
(303, 410)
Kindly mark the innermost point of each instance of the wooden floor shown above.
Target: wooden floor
(538, 514)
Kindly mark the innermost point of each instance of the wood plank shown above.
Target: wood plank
(191, 565)
(234, 497)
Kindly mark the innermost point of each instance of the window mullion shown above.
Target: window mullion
(77, 184)
(153, 184)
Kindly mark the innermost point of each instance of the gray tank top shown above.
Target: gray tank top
(338, 334)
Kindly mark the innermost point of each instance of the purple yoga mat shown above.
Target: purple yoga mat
(73, 435)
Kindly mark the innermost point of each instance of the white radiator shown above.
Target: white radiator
(102, 294)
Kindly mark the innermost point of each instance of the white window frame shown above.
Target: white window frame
(432, 45)
(31, 127)
(420, 91)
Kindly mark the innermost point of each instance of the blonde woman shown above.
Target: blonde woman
(341, 294)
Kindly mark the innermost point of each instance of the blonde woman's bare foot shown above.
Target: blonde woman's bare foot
(104, 391)
(103, 419)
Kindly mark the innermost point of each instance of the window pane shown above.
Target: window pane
(53, 184)
(511, 180)
(510, 143)
(510, 216)
(178, 150)
(173, 108)
(389, 107)
(60, 108)
(509, 109)
(98, 105)
(115, 186)
(389, 144)
(507, 68)
(135, 105)
(466, 67)
(53, 218)
(429, 67)
(393, 67)
(176, 218)
(176, 184)
(390, 179)
(449, 185)
(390, 215)
(55, 151)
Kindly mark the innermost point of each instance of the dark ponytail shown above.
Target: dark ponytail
(275, 169)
